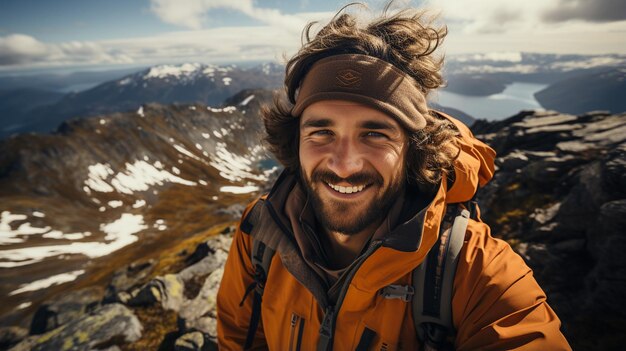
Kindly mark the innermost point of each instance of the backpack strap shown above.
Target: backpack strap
(261, 257)
(432, 310)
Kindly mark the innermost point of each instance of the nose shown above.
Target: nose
(345, 159)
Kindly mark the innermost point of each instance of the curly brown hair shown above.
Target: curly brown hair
(406, 39)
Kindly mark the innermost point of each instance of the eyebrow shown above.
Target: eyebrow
(317, 123)
(377, 125)
(372, 125)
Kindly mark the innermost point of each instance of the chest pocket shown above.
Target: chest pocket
(296, 331)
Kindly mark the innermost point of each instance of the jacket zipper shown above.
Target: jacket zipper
(294, 320)
(327, 327)
(297, 326)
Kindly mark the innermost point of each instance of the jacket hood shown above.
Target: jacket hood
(474, 166)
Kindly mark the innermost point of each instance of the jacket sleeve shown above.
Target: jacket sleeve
(232, 319)
(497, 304)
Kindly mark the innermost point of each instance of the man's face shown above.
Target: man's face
(352, 162)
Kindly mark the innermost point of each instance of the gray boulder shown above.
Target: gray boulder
(11, 335)
(127, 278)
(199, 313)
(514, 160)
(65, 308)
(193, 341)
(109, 325)
(173, 291)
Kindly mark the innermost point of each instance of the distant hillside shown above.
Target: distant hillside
(62, 82)
(529, 67)
(16, 105)
(155, 175)
(475, 84)
(605, 90)
(488, 74)
(165, 84)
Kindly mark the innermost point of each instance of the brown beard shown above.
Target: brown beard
(332, 216)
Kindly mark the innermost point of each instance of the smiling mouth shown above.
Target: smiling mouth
(347, 189)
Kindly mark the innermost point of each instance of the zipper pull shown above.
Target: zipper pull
(294, 319)
(327, 329)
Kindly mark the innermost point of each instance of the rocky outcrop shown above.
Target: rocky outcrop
(126, 279)
(111, 324)
(10, 336)
(64, 309)
(89, 319)
(192, 291)
(559, 198)
(194, 341)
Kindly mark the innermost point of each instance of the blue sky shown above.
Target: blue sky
(39, 34)
(64, 20)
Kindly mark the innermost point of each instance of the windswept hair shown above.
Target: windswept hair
(407, 39)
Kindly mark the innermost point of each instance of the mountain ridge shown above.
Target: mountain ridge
(165, 84)
(130, 175)
(602, 90)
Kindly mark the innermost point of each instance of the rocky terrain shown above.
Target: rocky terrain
(558, 197)
(101, 192)
(143, 308)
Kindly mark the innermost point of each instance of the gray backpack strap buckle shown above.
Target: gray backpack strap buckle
(402, 292)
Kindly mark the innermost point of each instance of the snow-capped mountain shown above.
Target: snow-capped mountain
(165, 84)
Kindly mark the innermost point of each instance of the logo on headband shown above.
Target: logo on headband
(348, 78)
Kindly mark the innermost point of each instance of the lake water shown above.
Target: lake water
(516, 97)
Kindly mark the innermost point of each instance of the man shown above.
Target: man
(369, 174)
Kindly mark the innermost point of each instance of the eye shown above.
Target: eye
(375, 135)
(321, 132)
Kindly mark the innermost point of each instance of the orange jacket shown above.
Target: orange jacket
(496, 303)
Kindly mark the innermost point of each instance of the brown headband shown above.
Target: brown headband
(367, 80)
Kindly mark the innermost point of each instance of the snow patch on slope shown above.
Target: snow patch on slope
(119, 233)
(137, 176)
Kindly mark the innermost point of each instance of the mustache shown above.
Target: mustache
(327, 176)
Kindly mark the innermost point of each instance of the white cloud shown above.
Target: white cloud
(496, 16)
(193, 14)
(20, 49)
(277, 34)
(495, 25)
(210, 45)
(592, 11)
(216, 44)
(17, 48)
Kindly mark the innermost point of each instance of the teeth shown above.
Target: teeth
(346, 189)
